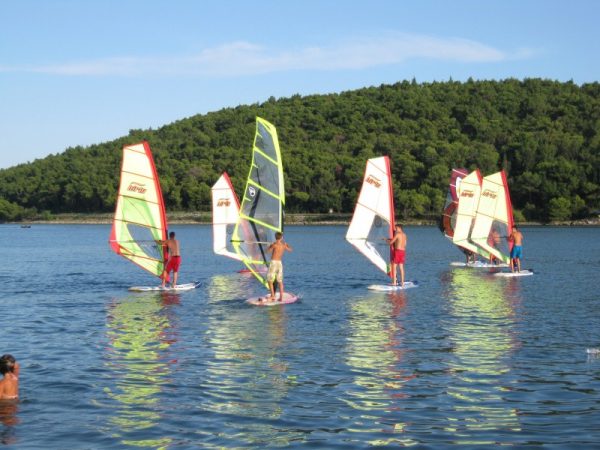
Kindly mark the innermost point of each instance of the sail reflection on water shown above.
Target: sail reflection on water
(481, 330)
(246, 378)
(225, 287)
(374, 355)
(139, 334)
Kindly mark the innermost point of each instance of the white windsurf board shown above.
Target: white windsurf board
(522, 273)
(390, 287)
(477, 265)
(176, 288)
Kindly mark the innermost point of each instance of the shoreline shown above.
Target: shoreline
(205, 218)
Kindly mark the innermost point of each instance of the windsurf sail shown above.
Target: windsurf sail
(261, 212)
(140, 218)
(469, 191)
(373, 219)
(448, 220)
(494, 217)
(225, 214)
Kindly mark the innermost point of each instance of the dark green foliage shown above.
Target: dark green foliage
(545, 134)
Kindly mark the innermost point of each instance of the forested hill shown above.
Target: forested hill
(545, 134)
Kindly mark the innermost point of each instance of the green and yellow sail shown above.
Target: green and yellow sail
(140, 218)
(261, 211)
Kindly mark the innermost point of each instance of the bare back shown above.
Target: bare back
(398, 242)
(517, 238)
(9, 386)
(173, 246)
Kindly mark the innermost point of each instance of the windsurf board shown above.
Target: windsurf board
(288, 297)
(522, 273)
(478, 265)
(390, 287)
(177, 288)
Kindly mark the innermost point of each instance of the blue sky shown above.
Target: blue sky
(79, 72)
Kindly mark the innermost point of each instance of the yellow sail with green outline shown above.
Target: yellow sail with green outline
(261, 212)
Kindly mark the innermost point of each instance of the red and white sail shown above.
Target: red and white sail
(494, 217)
(140, 220)
(448, 220)
(225, 215)
(373, 219)
(469, 191)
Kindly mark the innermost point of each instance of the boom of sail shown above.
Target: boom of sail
(373, 219)
(261, 212)
(140, 219)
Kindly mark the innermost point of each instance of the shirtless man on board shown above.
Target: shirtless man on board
(174, 260)
(398, 244)
(516, 252)
(275, 272)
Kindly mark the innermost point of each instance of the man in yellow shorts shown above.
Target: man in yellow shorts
(275, 272)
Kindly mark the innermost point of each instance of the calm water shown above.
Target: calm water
(466, 358)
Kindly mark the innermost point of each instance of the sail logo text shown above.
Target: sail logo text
(488, 193)
(374, 181)
(467, 193)
(136, 187)
(223, 202)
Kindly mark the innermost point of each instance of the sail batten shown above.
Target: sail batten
(261, 216)
(373, 219)
(140, 219)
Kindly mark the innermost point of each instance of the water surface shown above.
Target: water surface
(466, 358)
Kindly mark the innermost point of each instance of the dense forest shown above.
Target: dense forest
(545, 134)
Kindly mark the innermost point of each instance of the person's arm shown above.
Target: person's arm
(287, 247)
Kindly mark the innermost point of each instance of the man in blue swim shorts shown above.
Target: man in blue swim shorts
(516, 237)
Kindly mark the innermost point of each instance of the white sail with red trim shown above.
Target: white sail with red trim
(373, 219)
(448, 219)
(140, 220)
(225, 215)
(468, 191)
(494, 217)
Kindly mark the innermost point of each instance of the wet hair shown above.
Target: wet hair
(278, 235)
(7, 364)
(172, 234)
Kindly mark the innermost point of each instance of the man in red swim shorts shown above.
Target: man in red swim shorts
(174, 260)
(398, 253)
